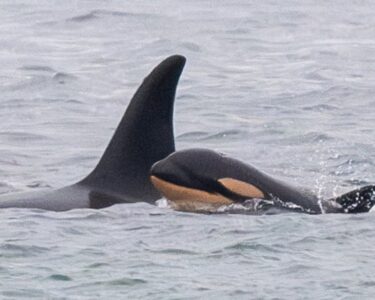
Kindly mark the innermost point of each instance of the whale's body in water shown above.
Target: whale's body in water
(144, 136)
(204, 180)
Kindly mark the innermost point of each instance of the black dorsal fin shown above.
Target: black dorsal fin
(144, 136)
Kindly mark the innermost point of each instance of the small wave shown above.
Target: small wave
(95, 14)
(97, 265)
(303, 241)
(223, 135)
(38, 68)
(22, 136)
(6, 188)
(191, 46)
(73, 101)
(187, 96)
(38, 184)
(126, 281)
(368, 284)
(15, 250)
(297, 268)
(309, 138)
(356, 182)
(192, 135)
(205, 136)
(60, 277)
(24, 293)
(62, 77)
(136, 228)
(349, 165)
(83, 18)
(175, 251)
(315, 76)
(120, 13)
(255, 246)
(320, 107)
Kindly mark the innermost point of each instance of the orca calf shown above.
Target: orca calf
(200, 180)
(144, 136)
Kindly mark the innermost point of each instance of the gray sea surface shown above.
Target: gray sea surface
(287, 86)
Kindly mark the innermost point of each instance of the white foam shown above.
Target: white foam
(162, 203)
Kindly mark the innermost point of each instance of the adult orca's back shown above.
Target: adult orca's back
(144, 136)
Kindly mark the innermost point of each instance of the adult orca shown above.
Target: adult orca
(201, 180)
(144, 136)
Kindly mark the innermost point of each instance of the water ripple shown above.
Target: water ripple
(285, 86)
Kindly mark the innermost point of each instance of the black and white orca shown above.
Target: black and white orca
(201, 180)
(144, 136)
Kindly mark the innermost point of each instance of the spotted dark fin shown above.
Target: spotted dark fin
(357, 201)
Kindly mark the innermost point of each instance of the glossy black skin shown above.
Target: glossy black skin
(201, 168)
(144, 136)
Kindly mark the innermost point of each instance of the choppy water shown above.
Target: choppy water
(285, 85)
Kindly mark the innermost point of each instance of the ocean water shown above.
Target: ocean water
(284, 85)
